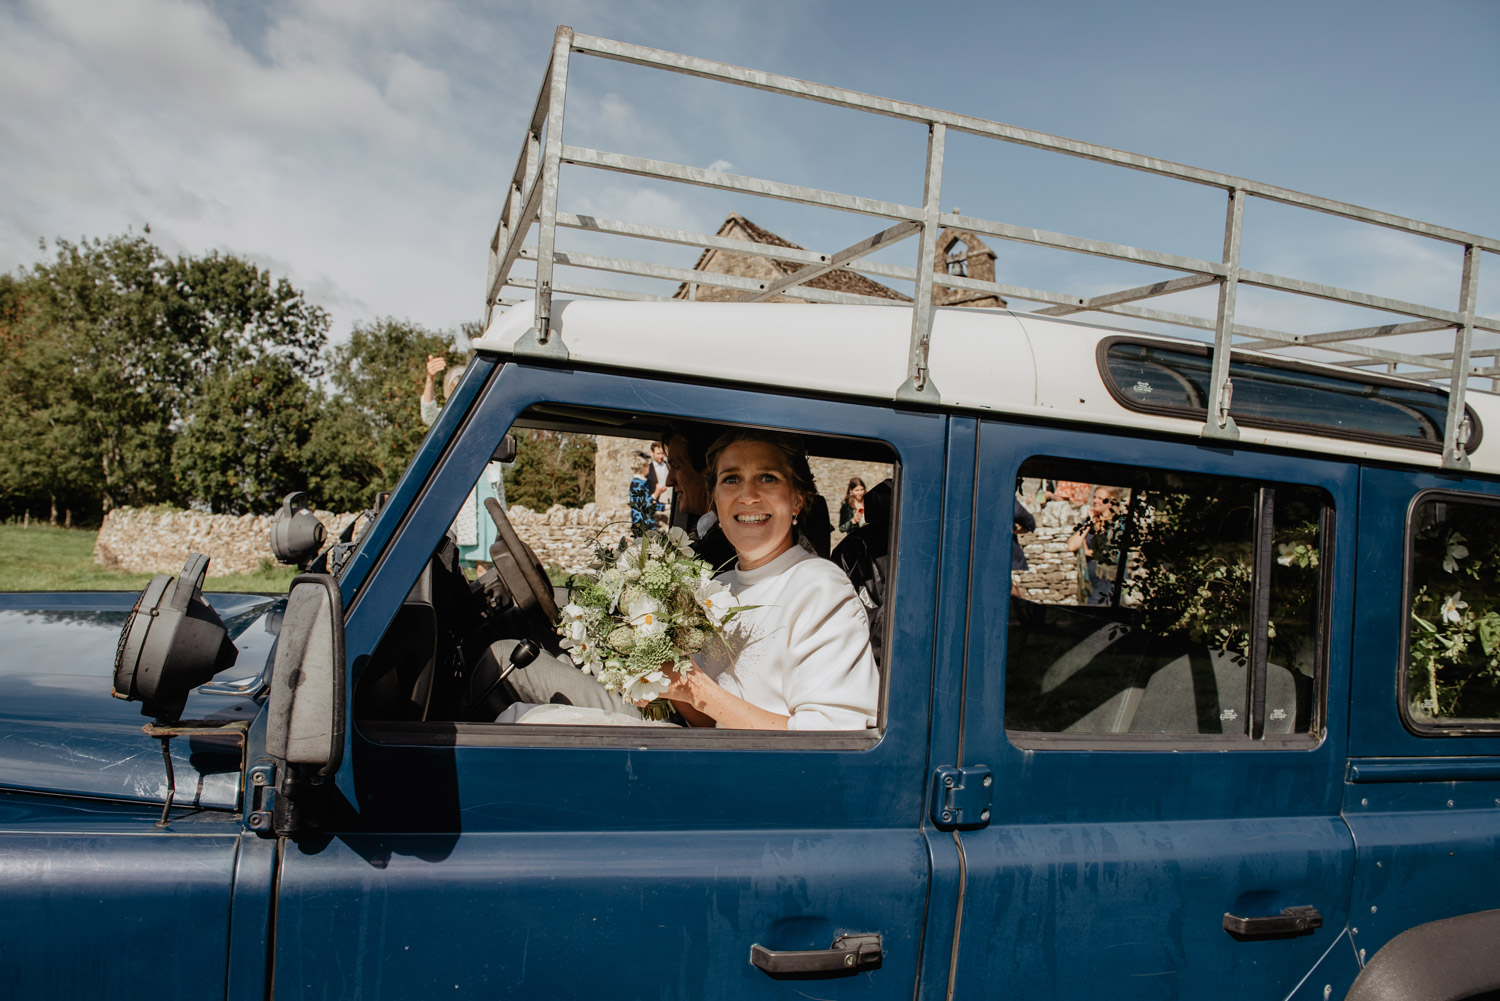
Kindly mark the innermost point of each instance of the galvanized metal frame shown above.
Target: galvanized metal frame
(532, 200)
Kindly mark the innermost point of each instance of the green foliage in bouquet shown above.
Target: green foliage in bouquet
(648, 605)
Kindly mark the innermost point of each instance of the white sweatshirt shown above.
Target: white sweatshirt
(805, 651)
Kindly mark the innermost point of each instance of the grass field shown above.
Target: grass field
(40, 558)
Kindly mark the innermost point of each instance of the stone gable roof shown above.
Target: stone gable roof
(976, 259)
(729, 262)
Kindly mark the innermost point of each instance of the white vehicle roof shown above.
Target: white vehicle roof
(981, 360)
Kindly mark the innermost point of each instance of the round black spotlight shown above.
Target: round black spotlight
(172, 642)
(296, 533)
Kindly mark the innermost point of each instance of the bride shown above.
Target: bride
(800, 658)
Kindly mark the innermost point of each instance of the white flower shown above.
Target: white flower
(645, 615)
(715, 600)
(1288, 554)
(573, 626)
(1453, 607)
(1456, 551)
(679, 539)
(582, 652)
(648, 686)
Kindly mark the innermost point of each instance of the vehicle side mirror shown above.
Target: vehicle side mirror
(305, 713)
(506, 450)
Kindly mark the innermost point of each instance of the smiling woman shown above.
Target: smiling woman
(799, 656)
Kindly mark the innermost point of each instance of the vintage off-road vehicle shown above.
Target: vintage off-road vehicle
(1263, 763)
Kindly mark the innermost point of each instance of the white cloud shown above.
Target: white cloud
(414, 87)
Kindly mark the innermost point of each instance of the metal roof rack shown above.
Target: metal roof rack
(532, 200)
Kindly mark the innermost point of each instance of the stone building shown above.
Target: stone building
(767, 269)
(959, 252)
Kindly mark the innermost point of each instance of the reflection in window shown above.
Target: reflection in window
(1140, 613)
(1453, 637)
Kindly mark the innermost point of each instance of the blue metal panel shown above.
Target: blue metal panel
(1108, 872)
(101, 903)
(61, 732)
(945, 849)
(612, 865)
(574, 915)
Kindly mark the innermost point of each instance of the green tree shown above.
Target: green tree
(341, 471)
(378, 377)
(109, 345)
(552, 467)
(42, 465)
(242, 447)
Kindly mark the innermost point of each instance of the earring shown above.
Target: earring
(794, 521)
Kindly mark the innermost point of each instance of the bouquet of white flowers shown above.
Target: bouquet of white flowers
(651, 603)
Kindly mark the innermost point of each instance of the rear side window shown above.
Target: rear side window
(1165, 603)
(1453, 631)
(1155, 378)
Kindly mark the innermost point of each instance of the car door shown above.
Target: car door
(481, 859)
(1158, 829)
(1423, 796)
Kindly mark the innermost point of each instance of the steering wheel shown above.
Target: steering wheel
(519, 570)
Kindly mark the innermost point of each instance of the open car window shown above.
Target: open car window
(471, 629)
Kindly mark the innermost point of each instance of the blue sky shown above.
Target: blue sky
(360, 147)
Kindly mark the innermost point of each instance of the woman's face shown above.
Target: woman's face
(857, 491)
(756, 502)
(1103, 506)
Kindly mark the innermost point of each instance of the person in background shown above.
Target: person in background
(656, 476)
(436, 364)
(852, 511)
(686, 460)
(642, 501)
(473, 528)
(1096, 540)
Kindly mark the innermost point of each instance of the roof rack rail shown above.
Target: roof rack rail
(532, 201)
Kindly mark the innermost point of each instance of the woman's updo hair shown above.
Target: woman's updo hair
(793, 455)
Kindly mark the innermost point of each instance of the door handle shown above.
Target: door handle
(848, 954)
(1291, 921)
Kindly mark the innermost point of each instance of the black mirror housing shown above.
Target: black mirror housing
(305, 712)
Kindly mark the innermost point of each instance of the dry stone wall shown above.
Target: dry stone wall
(145, 541)
(567, 536)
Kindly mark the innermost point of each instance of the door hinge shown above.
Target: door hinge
(961, 797)
(262, 798)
